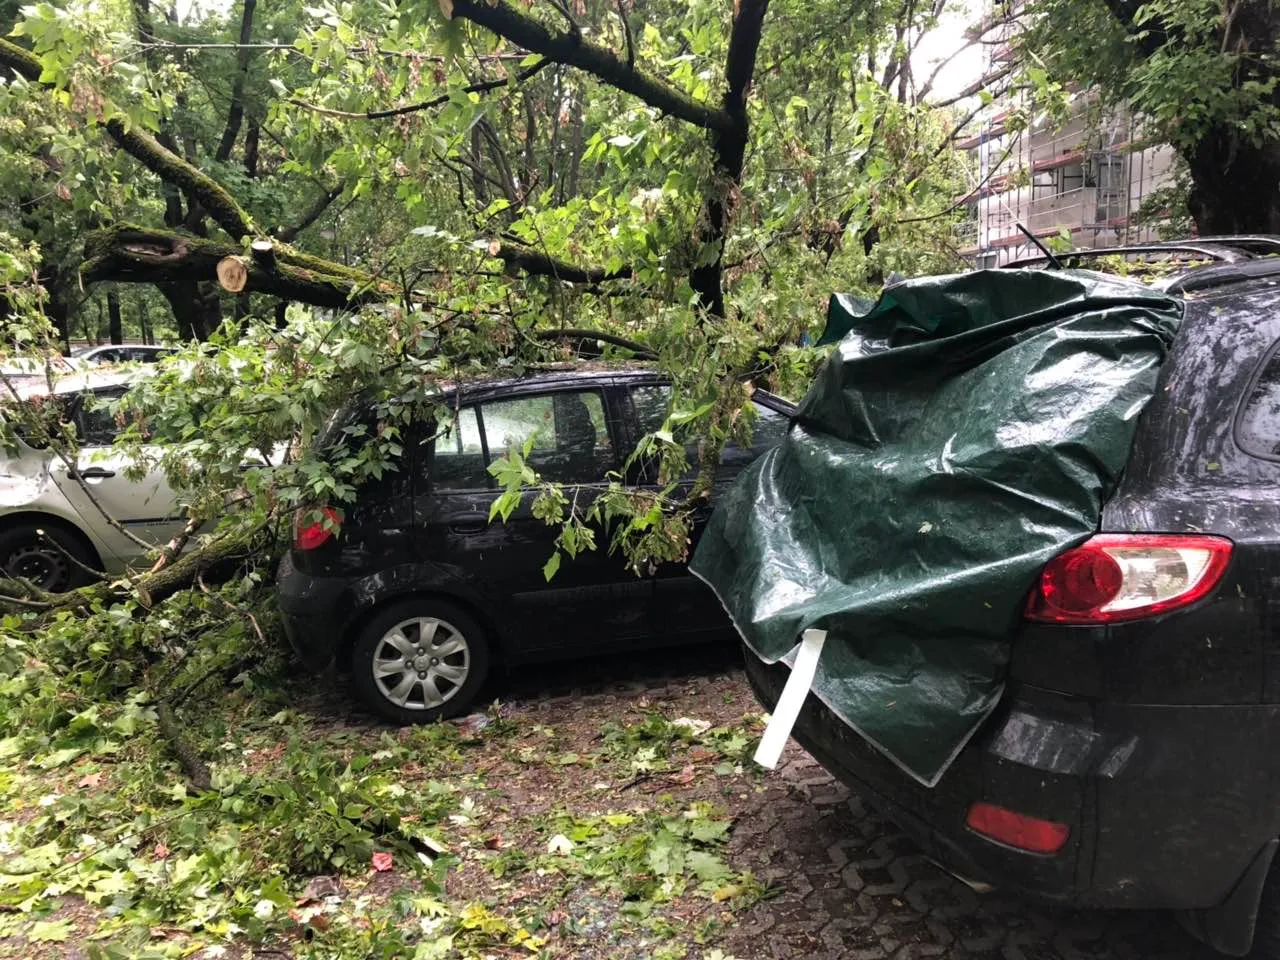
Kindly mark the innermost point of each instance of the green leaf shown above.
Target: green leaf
(710, 831)
(50, 931)
(666, 854)
(552, 565)
(707, 867)
(61, 757)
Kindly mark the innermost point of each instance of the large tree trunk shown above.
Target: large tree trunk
(144, 321)
(56, 307)
(196, 308)
(115, 323)
(730, 145)
(1235, 187)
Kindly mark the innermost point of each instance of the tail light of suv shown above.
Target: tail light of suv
(1112, 577)
(309, 536)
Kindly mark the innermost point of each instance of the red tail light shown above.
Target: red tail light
(1017, 829)
(1128, 576)
(308, 536)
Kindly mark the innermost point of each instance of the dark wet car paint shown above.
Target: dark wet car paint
(401, 538)
(1153, 739)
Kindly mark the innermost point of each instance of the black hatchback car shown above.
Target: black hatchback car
(1135, 762)
(419, 594)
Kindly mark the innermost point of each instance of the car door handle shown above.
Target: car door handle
(466, 522)
(96, 473)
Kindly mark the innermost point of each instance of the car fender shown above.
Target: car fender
(28, 494)
(447, 580)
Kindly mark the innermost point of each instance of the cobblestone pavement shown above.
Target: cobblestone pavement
(849, 885)
(852, 887)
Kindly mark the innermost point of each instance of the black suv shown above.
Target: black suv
(419, 594)
(1134, 762)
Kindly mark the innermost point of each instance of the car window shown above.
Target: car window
(97, 426)
(457, 461)
(1258, 431)
(770, 426)
(105, 356)
(569, 434)
(767, 431)
(650, 404)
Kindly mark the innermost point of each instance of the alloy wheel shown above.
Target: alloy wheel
(421, 663)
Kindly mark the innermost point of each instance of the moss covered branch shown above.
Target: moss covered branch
(148, 151)
(133, 254)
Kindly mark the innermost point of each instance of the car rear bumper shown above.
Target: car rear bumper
(312, 610)
(1168, 806)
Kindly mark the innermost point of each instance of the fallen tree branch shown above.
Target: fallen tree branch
(127, 253)
(581, 336)
(149, 588)
(323, 202)
(572, 50)
(132, 254)
(192, 763)
(175, 546)
(519, 257)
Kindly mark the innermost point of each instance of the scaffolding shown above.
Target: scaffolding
(1084, 180)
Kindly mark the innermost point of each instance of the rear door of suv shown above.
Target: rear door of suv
(591, 601)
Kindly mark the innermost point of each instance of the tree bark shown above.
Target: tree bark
(572, 50)
(56, 307)
(235, 113)
(115, 325)
(144, 321)
(1235, 187)
(251, 138)
(132, 254)
(730, 145)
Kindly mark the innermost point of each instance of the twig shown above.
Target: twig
(481, 87)
(175, 546)
(636, 781)
(96, 574)
(236, 607)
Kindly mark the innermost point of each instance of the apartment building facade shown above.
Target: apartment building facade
(1085, 179)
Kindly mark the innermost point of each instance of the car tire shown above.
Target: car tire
(420, 660)
(52, 558)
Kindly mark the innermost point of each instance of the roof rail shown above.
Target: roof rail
(1220, 275)
(1209, 249)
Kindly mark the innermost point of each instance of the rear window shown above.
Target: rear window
(1258, 430)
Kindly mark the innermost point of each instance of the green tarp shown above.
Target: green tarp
(964, 431)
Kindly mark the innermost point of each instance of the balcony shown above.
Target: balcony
(982, 136)
(1081, 210)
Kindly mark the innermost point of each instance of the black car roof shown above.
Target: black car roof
(581, 372)
(1210, 261)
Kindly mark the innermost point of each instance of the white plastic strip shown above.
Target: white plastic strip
(788, 709)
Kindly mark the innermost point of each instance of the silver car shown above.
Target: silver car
(54, 529)
(121, 353)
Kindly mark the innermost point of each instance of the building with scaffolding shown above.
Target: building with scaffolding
(1084, 180)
